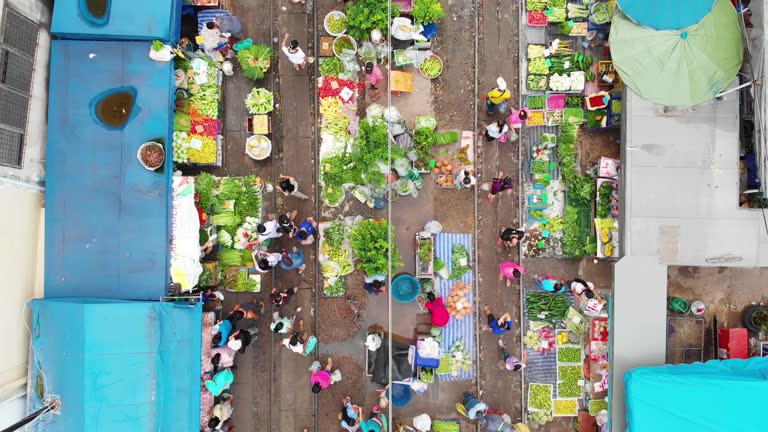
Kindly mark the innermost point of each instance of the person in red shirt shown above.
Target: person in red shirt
(439, 313)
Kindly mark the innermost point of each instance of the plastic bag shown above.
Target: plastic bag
(422, 423)
(426, 122)
(350, 63)
(164, 54)
(391, 114)
(336, 376)
(402, 165)
(367, 52)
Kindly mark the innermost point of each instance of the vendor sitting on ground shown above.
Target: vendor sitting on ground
(465, 178)
(375, 284)
(375, 422)
(498, 326)
(510, 270)
(438, 313)
(212, 37)
(549, 283)
(475, 410)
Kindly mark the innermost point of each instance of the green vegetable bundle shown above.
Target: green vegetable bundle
(370, 239)
(569, 389)
(336, 289)
(331, 67)
(540, 166)
(556, 3)
(536, 102)
(260, 101)
(427, 11)
(334, 234)
(537, 82)
(459, 253)
(366, 15)
(557, 15)
(604, 200)
(255, 60)
(532, 5)
(577, 11)
(445, 426)
(538, 66)
(244, 283)
(574, 102)
(547, 307)
(229, 257)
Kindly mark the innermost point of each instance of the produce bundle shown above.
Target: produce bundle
(557, 15)
(565, 407)
(536, 51)
(558, 82)
(255, 60)
(335, 287)
(180, 147)
(540, 397)
(204, 99)
(206, 154)
(181, 122)
(540, 417)
(604, 199)
(460, 359)
(331, 67)
(537, 82)
(259, 101)
(554, 118)
(535, 5)
(337, 127)
(459, 261)
(537, 18)
(431, 67)
(536, 102)
(547, 307)
(560, 47)
(445, 426)
(574, 102)
(427, 11)
(538, 66)
(556, 3)
(577, 11)
(458, 304)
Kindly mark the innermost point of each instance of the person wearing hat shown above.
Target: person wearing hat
(293, 260)
(374, 76)
(380, 45)
(497, 97)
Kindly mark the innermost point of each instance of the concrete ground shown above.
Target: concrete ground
(725, 291)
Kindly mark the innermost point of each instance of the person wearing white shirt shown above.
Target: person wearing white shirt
(268, 230)
(294, 53)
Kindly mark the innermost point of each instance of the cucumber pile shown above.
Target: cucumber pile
(547, 307)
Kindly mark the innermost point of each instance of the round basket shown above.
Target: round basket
(331, 204)
(441, 68)
(335, 14)
(400, 395)
(351, 39)
(405, 288)
(150, 144)
(258, 147)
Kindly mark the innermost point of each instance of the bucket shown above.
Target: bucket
(678, 305)
(698, 307)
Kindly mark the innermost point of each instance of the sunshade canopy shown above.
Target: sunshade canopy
(666, 14)
(679, 67)
(706, 397)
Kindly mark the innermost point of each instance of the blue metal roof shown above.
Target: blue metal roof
(116, 366)
(122, 20)
(107, 218)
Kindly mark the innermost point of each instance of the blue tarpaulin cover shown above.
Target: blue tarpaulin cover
(117, 19)
(116, 366)
(666, 14)
(714, 396)
(107, 221)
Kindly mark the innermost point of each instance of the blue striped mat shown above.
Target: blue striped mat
(541, 368)
(207, 15)
(457, 329)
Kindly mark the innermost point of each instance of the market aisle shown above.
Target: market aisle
(293, 402)
(498, 56)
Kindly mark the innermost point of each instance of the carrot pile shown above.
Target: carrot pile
(458, 304)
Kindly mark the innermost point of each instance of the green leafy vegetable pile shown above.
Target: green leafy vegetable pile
(569, 373)
(604, 200)
(331, 66)
(204, 187)
(595, 406)
(574, 102)
(366, 15)
(423, 138)
(427, 11)
(370, 241)
(569, 355)
(540, 396)
(244, 283)
(336, 289)
(459, 253)
(569, 389)
(255, 60)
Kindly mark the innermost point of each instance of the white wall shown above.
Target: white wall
(33, 165)
(12, 410)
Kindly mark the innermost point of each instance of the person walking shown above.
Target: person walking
(497, 98)
(350, 415)
(297, 340)
(495, 130)
(510, 271)
(374, 76)
(307, 231)
(281, 298)
(287, 224)
(268, 230)
(241, 339)
(322, 379)
(293, 260)
(510, 362)
(498, 326)
(290, 187)
(282, 324)
(294, 53)
(264, 262)
(499, 184)
(252, 309)
(439, 315)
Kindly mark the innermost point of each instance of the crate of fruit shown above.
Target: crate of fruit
(537, 18)
(568, 372)
(536, 118)
(570, 354)
(554, 117)
(570, 389)
(565, 408)
(539, 397)
(615, 108)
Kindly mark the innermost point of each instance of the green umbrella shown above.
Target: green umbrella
(679, 67)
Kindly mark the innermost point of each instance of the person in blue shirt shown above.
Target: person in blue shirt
(475, 409)
(307, 231)
(225, 327)
(549, 283)
(498, 326)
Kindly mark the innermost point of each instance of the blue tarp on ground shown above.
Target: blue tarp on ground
(123, 20)
(107, 218)
(116, 366)
(703, 397)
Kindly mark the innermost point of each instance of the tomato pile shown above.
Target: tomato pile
(326, 88)
(537, 18)
(210, 127)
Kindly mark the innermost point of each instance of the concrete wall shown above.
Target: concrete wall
(33, 165)
(639, 332)
(21, 224)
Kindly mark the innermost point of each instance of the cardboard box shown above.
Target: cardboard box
(326, 46)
